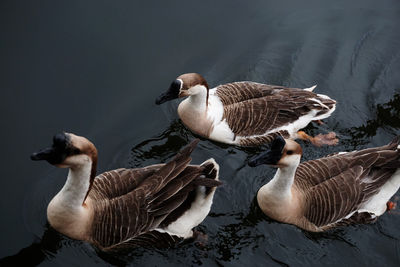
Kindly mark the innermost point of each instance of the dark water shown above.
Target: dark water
(95, 67)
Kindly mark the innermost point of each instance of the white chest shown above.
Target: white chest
(207, 122)
(71, 221)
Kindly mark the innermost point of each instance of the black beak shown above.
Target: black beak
(44, 154)
(271, 156)
(171, 93)
(167, 96)
(57, 152)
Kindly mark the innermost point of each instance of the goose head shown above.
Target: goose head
(185, 85)
(282, 153)
(68, 151)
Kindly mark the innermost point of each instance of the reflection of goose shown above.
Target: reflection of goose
(154, 205)
(348, 187)
(387, 116)
(39, 251)
(161, 147)
(248, 113)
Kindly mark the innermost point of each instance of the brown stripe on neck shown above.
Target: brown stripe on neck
(204, 82)
(92, 175)
(207, 98)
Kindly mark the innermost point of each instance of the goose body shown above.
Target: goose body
(156, 205)
(341, 189)
(248, 113)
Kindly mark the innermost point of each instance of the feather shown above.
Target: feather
(130, 203)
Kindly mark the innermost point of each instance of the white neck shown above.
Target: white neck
(198, 98)
(66, 212)
(74, 191)
(77, 185)
(280, 186)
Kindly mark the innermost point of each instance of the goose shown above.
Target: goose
(336, 190)
(248, 113)
(155, 205)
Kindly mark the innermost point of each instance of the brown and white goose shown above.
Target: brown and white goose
(248, 113)
(341, 189)
(155, 205)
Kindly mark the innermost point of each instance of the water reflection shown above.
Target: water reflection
(387, 116)
(36, 253)
(160, 148)
(232, 238)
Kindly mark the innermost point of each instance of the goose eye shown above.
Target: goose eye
(289, 152)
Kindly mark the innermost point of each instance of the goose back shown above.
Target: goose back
(129, 204)
(253, 109)
(336, 188)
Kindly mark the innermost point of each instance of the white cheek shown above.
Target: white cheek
(197, 90)
(76, 160)
(290, 160)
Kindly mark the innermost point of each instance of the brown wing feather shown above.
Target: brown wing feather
(232, 93)
(334, 199)
(330, 202)
(153, 239)
(336, 186)
(254, 109)
(154, 194)
(119, 182)
(313, 172)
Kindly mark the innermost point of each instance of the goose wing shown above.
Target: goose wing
(335, 188)
(313, 172)
(232, 93)
(339, 200)
(119, 182)
(334, 199)
(255, 109)
(155, 194)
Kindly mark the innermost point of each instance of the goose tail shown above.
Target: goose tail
(210, 175)
(395, 143)
(310, 89)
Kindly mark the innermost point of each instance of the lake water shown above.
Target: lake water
(94, 68)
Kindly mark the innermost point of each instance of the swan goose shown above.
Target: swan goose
(248, 113)
(340, 189)
(155, 205)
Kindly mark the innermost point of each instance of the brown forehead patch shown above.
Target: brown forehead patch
(192, 79)
(292, 146)
(84, 145)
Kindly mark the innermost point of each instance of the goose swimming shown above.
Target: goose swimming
(340, 189)
(155, 205)
(248, 113)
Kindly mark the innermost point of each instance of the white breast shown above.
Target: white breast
(221, 130)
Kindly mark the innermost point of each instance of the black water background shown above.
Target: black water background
(95, 67)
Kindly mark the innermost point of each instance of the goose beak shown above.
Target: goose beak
(167, 96)
(272, 156)
(57, 152)
(44, 154)
(171, 93)
(269, 157)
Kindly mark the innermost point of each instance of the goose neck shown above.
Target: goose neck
(280, 186)
(198, 101)
(76, 188)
